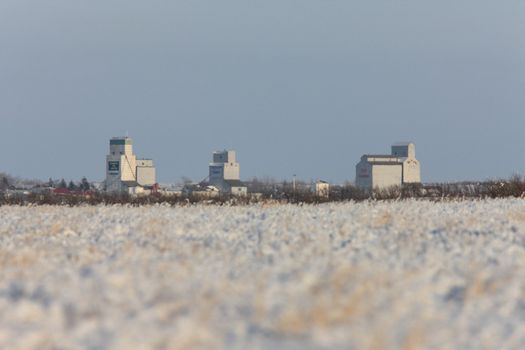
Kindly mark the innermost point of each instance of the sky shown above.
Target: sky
(295, 86)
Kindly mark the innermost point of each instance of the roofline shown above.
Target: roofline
(385, 163)
(404, 143)
(380, 156)
(121, 138)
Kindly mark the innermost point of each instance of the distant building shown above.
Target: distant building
(126, 173)
(224, 173)
(235, 187)
(322, 189)
(383, 171)
(406, 151)
(146, 173)
(201, 191)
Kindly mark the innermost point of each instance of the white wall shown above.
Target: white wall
(146, 176)
(322, 189)
(145, 162)
(384, 176)
(232, 171)
(411, 171)
(239, 191)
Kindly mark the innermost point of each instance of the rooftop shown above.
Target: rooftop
(382, 159)
(121, 141)
(378, 162)
(389, 156)
(404, 143)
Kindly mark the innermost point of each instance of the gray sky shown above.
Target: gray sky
(304, 86)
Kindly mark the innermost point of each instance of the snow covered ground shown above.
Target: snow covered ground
(401, 275)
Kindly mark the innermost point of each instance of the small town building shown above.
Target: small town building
(146, 173)
(322, 189)
(384, 171)
(201, 191)
(224, 173)
(235, 187)
(406, 151)
(126, 173)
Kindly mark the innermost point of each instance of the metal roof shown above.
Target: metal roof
(380, 156)
(382, 159)
(384, 163)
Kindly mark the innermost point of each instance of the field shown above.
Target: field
(371, 275)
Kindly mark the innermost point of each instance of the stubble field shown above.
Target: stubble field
(371, 275)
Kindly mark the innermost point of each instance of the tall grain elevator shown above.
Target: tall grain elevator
(124, 172)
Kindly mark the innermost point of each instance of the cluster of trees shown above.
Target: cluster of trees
(82, 186)
(8, 182)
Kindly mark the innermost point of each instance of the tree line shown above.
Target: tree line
(83, 185)
(8, 182)
(265, 192)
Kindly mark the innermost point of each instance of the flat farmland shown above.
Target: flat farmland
(371, 275)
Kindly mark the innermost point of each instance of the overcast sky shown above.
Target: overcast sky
(296, 87)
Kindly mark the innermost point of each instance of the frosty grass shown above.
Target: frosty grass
(398, 275)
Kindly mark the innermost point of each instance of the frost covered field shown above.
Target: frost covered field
(401, 275)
